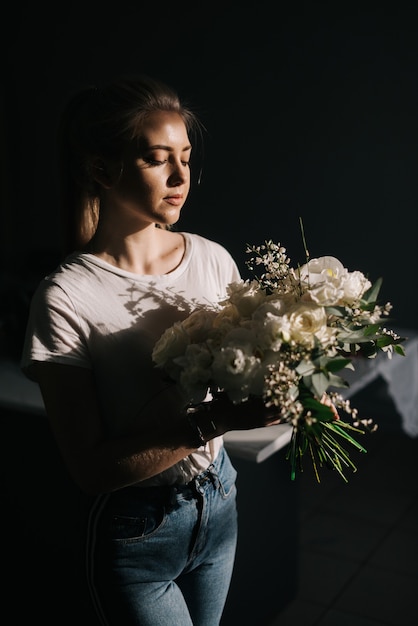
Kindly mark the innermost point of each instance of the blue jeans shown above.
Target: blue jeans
(163, 556)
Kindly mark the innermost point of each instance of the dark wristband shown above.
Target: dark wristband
(199, 439)
(192, 411)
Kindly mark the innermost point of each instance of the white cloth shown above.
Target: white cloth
(91, 314)
(401, 375)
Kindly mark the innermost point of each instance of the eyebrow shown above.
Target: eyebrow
(167, 148)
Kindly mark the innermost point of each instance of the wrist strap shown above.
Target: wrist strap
(191, 411)
(199, 438)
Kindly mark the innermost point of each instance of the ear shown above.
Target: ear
(100, 173)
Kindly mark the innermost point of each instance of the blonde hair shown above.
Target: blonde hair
(96, 124)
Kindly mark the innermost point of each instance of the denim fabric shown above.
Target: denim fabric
(163, 556)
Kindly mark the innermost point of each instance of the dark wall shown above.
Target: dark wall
(311, 111)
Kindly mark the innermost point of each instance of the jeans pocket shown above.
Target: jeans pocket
(124, 528)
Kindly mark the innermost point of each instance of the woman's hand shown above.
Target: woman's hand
(244, 416)
(328, 402)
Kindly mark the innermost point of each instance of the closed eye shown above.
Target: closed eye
(154, 161)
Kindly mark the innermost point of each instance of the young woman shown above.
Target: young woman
(162, 529)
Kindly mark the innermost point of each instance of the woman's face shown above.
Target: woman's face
(155, 178)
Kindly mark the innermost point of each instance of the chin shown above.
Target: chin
(170, 219)
(167, 224)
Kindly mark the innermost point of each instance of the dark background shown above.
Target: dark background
(311, 111)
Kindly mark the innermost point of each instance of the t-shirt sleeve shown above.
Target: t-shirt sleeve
(53, 331)
(218, 260)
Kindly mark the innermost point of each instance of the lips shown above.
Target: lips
(175, 200)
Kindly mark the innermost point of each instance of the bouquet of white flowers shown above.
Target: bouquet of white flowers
(285, 336)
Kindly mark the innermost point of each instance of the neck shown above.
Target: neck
(150, 251)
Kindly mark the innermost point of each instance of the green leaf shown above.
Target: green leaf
(371, 295)
(336, 364)
(337, 311)
(337, 381)
(368, 350)
(371, 329)
(384, 340)
(359, 336)
(305, 368)
(322, 412)
(319, 383)
(399, 349)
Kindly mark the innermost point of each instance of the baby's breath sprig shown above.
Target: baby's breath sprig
(277, 276)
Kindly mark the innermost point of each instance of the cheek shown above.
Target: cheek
(135, 184)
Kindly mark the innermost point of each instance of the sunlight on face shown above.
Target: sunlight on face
(155, 181)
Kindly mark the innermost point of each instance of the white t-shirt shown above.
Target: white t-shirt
(88, 313)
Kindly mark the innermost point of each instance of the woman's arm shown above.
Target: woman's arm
(99, 464)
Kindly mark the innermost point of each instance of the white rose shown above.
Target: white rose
(235, 362)
(195, 371)
(271, 325)
(306, 320)
(171, 344)
(246, 296)
(198, 324)
(233, 370)
(226, 319)
(274, 305)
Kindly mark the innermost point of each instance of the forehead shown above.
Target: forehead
(164, 128)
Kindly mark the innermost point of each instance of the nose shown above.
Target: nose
(180, 174)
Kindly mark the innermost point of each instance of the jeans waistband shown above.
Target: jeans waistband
(209, 475)
(206, 477)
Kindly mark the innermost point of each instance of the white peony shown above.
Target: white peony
(321, 281)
